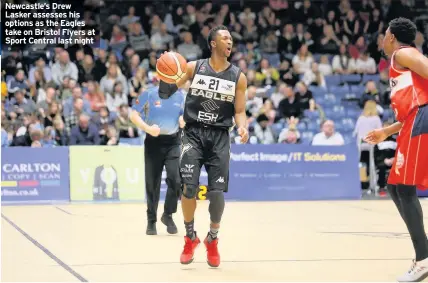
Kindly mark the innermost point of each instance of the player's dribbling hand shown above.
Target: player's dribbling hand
(375, 136)
(154, 130)
(243, 132)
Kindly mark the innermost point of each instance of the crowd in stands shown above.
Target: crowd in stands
(316, 73)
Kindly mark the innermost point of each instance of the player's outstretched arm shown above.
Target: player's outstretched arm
(240, 104)
(379, 135)
(414, 60)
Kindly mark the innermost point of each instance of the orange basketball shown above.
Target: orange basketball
(171, 66)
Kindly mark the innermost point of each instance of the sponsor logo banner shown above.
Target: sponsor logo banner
(107, 173)
(295, 172)
(29, 174)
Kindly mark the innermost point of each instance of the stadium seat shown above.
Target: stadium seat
(366, 78)
(311, 115)
(307, 137)
(351, 79)
(353, 113)
(301, 126)
(349, 139)
(317, 91)
(333, 80)
(339, 90)
(358, 90)
(313, 126)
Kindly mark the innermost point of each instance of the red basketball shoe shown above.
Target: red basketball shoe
(189, 249)
(213, 257)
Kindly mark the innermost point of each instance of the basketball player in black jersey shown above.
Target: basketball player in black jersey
(217, 95)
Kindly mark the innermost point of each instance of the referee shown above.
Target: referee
(160, 117)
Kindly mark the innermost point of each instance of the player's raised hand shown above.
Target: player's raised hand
(375, 136)
(154, 130)
(243, 133)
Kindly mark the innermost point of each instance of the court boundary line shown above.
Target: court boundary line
(45, 250)
(245, 261)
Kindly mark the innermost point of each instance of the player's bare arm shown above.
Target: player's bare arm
(412, 59)
(240, 103)
(379, 135)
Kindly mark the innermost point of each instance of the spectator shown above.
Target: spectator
(333, 21)
(64, 67)
(37, 92)
(48, 137)
(49, 97)
(139, 41)
(371, 94)
(251, 32)
(269, 110)
(111, 137)
(124, 125)
(288, 43)
(61, 137)
(116, 98)
(287, 74)
(314, 76)
(384, 153)
(305, 97)
(303, 60)
(40, 65)
(94, 96)
(365, 64)
(84, 133)
(71, 119)
(137, 84)
(279, 94)
(324, 66)
(290, 105)
(21, 105)
(87, 70)
(343, 63)
(130, 18)
(269, 43)
(19, 83)
(368, 121)
(263, 131)
(69, 103)
(246, 15)
(420, 43)
(351, 26)
(111, 78)
(103, 120)
(188, 49)
(328, 136)
(266, 75)
(161, 40)
(329, 42)
(290, 137)
(53, 113)
(375, 24)
(254, 103)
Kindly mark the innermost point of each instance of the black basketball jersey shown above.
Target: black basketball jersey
(211, 96)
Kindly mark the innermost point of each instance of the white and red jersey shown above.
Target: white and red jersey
(408, 90)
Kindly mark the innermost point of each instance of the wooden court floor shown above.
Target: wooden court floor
(265, 241)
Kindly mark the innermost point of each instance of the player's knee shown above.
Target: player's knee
(406, 191)
(216, 207)
(189, 191)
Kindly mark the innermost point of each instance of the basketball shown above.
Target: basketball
(171, 66)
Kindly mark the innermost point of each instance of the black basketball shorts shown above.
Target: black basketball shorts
(208, 146)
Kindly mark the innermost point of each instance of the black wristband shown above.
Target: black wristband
(166, 90)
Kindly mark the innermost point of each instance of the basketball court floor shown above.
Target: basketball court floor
(259, 241)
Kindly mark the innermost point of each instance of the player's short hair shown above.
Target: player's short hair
(404, 30)
(213, 32)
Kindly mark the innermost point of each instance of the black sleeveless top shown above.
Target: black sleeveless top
(211, 96)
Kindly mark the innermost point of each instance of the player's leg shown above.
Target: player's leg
(174, 185)
(217, 166)
(154, 161)
(405, 164)
(190, 168)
